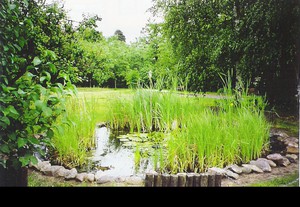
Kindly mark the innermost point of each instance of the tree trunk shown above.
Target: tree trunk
(10, 177)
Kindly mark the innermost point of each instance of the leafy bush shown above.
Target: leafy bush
(33, 77)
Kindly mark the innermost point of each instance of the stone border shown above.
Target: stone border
(99, 177)
(262, 165)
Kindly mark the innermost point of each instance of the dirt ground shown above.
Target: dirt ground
(248, 179)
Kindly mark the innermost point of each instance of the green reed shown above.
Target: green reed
(75, 137)
(234, 130)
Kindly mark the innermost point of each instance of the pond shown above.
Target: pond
(117, 158)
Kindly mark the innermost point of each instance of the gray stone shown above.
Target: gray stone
(284, 162)
(120, 179)
(106, 179)
(271, 163)
(292, 157)
(55, 168)
(134, 180)
(262, 164)
(292, 144)
(99, 174)
(290, 139)
(90, 177)
(275, 157)
(279, 134)
(43, 164)
(62, 172)
(279, 159)
(246, 170)
(46, 169)
(223, 172)
(80, 177)
(216, 170)
(234, 168)
(232, 174)
(71, 174)
(254, 168)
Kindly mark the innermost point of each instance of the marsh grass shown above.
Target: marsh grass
(75, 137)
(233, 131)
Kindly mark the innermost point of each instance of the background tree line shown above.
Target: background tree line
(258, 41)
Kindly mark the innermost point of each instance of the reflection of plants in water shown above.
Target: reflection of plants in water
(137, 158)
(158, 160)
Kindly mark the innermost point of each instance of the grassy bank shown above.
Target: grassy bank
(285, 181)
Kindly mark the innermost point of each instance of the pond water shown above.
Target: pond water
(114, 159)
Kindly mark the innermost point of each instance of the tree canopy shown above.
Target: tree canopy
(257, 40)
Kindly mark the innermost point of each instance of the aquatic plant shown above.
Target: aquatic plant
(234, 130)
(76, 136)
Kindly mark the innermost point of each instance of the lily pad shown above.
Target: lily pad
(122, 137)
(136, 139)
(129, 144)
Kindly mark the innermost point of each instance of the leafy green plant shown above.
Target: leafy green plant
(33, 78)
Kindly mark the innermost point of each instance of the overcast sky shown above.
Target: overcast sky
(129, 16)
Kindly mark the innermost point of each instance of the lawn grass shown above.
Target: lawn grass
(285, 181)
(289, 124)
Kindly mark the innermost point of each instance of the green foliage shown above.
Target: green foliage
(132, 78)
(87, 28)
(258, 40)
(33, 77)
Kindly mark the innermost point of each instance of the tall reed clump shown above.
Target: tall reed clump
(148, 110)
(74, 138)
(233, 131)
(236, 131)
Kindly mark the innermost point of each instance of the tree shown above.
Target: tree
(119, 34)
(164, 63)
(89, 55)
(257, 40)
(87, 28)
(117, 62)
(33, 79)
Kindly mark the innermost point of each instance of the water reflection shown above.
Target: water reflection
(114, 159)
